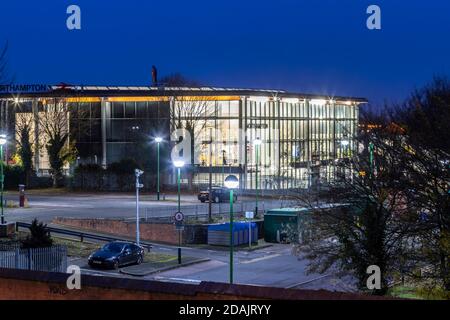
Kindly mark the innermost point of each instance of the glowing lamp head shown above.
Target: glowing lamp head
(345, 142)
(231, 182)
(178, 163)
(257, 142)
(158, 139)
(2, 139)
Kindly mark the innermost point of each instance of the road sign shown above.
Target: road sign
(178, 217)
(249, 214)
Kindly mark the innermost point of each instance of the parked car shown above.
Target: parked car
(219, 194)
(116, 254)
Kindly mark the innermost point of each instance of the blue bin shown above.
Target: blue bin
(219, 234)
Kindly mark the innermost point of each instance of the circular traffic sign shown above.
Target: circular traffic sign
(179, 217)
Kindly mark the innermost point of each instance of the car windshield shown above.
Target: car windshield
(113, 247)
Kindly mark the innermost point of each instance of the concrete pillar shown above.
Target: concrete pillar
(35, 110)
(103, 117)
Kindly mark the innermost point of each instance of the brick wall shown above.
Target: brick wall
(157, 232)
(26, 285)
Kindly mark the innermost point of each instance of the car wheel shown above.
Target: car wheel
(202, 201)
(116, 264)
(216, 199)
(139, 260)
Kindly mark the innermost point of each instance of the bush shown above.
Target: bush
(124, 166)
(14, 175)
(39, 236)
(119, 176)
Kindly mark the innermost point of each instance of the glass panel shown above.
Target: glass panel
(117, 108)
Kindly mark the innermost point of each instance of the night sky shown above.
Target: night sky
(315, 46)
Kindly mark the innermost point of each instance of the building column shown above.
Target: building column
(103, 120)
(35, 111)
(242, 144)
(308, 143)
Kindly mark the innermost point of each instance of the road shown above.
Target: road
(45, 207)
(274, 266)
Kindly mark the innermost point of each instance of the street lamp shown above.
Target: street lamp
(231, 182)
(257, 143)
(138, 173)
(158, 140)
(179, 164)
(2, 177)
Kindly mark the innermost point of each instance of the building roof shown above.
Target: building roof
(62, 90)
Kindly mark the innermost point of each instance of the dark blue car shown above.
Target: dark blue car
(116, 254)
(219, 194)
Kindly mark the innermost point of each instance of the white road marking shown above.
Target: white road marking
(177, 279)
(260, 259)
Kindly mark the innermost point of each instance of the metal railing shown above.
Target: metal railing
(82, 235)
(51, 259)
(200, 212)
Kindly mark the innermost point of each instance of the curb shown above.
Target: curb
(165, 268)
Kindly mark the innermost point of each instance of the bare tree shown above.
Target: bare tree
(55, 123)
(189, 112)
(192, 114)
(25, 142)
(178, 80)
(4, 80)
(4, 76)
(425, 117)
(361, 218)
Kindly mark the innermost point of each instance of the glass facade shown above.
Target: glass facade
(301, 137)
(300, 141)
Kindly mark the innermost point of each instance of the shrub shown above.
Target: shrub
(39, 236)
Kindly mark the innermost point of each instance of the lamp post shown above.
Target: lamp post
(2, 177)
(231, 182)
(137, 173)
(257, 143)
(158, 141)
(179, 164)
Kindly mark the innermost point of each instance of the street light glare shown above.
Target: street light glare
(345, 142)
(257, 142)
(178, 163)
(231, 182)
(2, 139)
(158, 139)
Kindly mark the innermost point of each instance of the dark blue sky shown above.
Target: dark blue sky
(315, 46)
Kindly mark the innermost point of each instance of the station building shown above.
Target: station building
(301, 134)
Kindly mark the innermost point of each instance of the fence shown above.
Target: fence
(200, 212)
(51, 259)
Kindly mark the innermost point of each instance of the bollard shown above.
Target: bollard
(21, 195)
